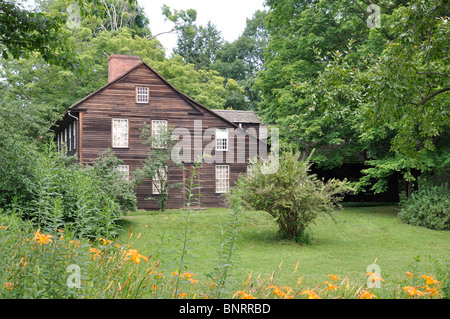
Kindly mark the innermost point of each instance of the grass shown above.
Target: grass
(345, 247)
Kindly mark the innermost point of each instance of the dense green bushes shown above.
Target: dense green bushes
(428, 207)
(55, 192)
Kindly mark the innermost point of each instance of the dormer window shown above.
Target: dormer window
(141, 94)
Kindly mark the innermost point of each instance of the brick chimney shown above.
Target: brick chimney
(119, 64)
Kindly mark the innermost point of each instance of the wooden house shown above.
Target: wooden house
(112, 118)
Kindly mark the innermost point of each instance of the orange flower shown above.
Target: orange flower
(413, 291)
(42, 239)
(283, 292)
(331, 286)
(135, 256)
(334, 277)
(244, 295)
(366, 294)
(311, 294)
(96, 253)
(8, 285)
(431, 291)
(182, 295)
(430, 280)
(410, 274)
(374, 277)
(105, 241)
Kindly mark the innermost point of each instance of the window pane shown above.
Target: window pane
(158, 126)
(120, 133)
(157, 180)
(124, 171)
(222, 140)
(222, 178)
(142, 95)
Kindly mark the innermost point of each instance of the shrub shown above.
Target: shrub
(428, 207)
(60, 194)
(292, 195)
(104, 169)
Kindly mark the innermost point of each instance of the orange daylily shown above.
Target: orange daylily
(334, 277)
(8, 285)
(244, 295)
(431, 291)
(331, 286)
(366, 294)
(374, 277)
(135, 256)
(42, 238)
(413, 291)
(410, 274)
(96, 252)
(430, 280)
(311, 294)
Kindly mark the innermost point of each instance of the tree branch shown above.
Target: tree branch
(429, 97)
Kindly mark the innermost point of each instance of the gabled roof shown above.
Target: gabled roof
(238, 116)
(198, 108)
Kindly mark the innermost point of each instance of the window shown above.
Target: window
(74, 131)
(124, 171)
(141, 95)
(222, 178)
(120, 133)
(158, 126)
(159, 179)
(221, 140)
(69, 143)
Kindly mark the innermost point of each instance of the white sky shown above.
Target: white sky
(229, 16)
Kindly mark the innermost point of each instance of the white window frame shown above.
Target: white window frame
(114, 133)
(142, 94)
(222, 179)
(221, 140)
(69, 147)
(124, 171)
(156, 179)
(58, 141)
(74, 130)
(156, 124)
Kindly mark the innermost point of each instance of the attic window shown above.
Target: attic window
(141, 94)
(222, 140)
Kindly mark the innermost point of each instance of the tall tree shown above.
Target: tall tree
(404, 93)
(241, 59)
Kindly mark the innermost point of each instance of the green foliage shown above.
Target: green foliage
(68, 197)
(23, 32)
(241, 60)
(397, 96)
(429, 207)
(291, 195)
(113, 183)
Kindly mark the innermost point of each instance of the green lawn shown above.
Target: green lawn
(357, 238)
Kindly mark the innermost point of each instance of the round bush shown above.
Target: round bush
(429, 207)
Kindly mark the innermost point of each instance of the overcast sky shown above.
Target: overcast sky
(229, 16)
